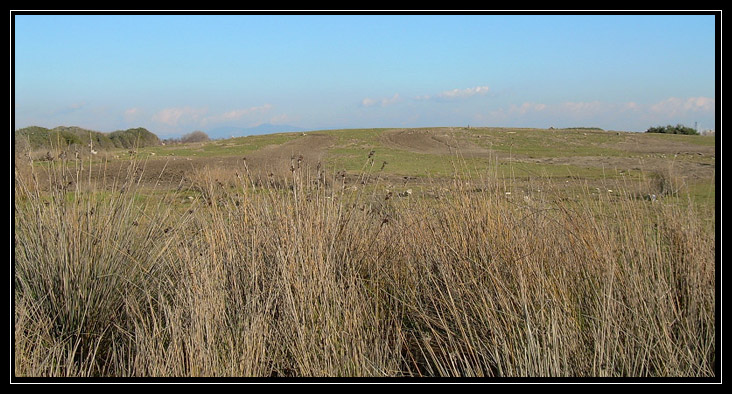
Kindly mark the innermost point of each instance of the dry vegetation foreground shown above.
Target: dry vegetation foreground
(235, 272)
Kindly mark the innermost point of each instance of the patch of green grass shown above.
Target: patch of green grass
(401, 162)
(551, 171)
(406, 163)
(702, 195)
(684, 139)
(535, 143)
(347, 137)
(229, 147)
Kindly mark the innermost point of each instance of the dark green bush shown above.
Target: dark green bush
(678, 129)
(195, 136)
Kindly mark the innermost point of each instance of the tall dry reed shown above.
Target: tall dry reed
(306, 275)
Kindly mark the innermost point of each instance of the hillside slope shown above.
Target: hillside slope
(39, 138)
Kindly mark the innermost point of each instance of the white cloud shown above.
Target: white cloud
(629, 115)
(176, 118)
(523, 109)
(281, 118)
(528, 107)
(584, 108)
(239, 113)
(180, 115)
(446, 95)
(456, 94)
(631, 106)
(674, 106)
(462, 93)
(369, 102)
(706, 104)
(71, 108)
(235, 115)
(670, 107)
(132, 114)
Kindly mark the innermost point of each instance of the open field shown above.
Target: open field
(593, 157)
(481, 252)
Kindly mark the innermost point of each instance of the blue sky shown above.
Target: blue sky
(173, 74)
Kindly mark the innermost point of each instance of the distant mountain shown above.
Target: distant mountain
(264, 128)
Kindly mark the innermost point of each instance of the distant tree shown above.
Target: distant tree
(134, 138)
(195, 136)
(678, 129)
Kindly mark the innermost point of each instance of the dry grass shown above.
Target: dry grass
(301, 275)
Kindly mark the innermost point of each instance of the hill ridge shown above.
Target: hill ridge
(38, 137)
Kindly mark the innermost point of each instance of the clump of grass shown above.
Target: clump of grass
(592, 289)
(77, 257)
(300, 274)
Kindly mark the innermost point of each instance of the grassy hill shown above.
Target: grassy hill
(41, 138)
(434, 152)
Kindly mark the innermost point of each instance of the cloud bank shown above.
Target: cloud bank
(237, 114)
(455, 94)
(447, 95)
(369, 102)
(179, 119)
(591, 113)
(179, 116)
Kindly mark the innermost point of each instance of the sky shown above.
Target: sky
(174, 74)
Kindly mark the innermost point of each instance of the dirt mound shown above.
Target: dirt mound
(433, 141)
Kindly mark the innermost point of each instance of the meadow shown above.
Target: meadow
(379, 253)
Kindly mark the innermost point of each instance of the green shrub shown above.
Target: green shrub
(132, 138)
(678, 129)
(195, 136)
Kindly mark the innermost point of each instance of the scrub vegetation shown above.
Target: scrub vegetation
(370, 253)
